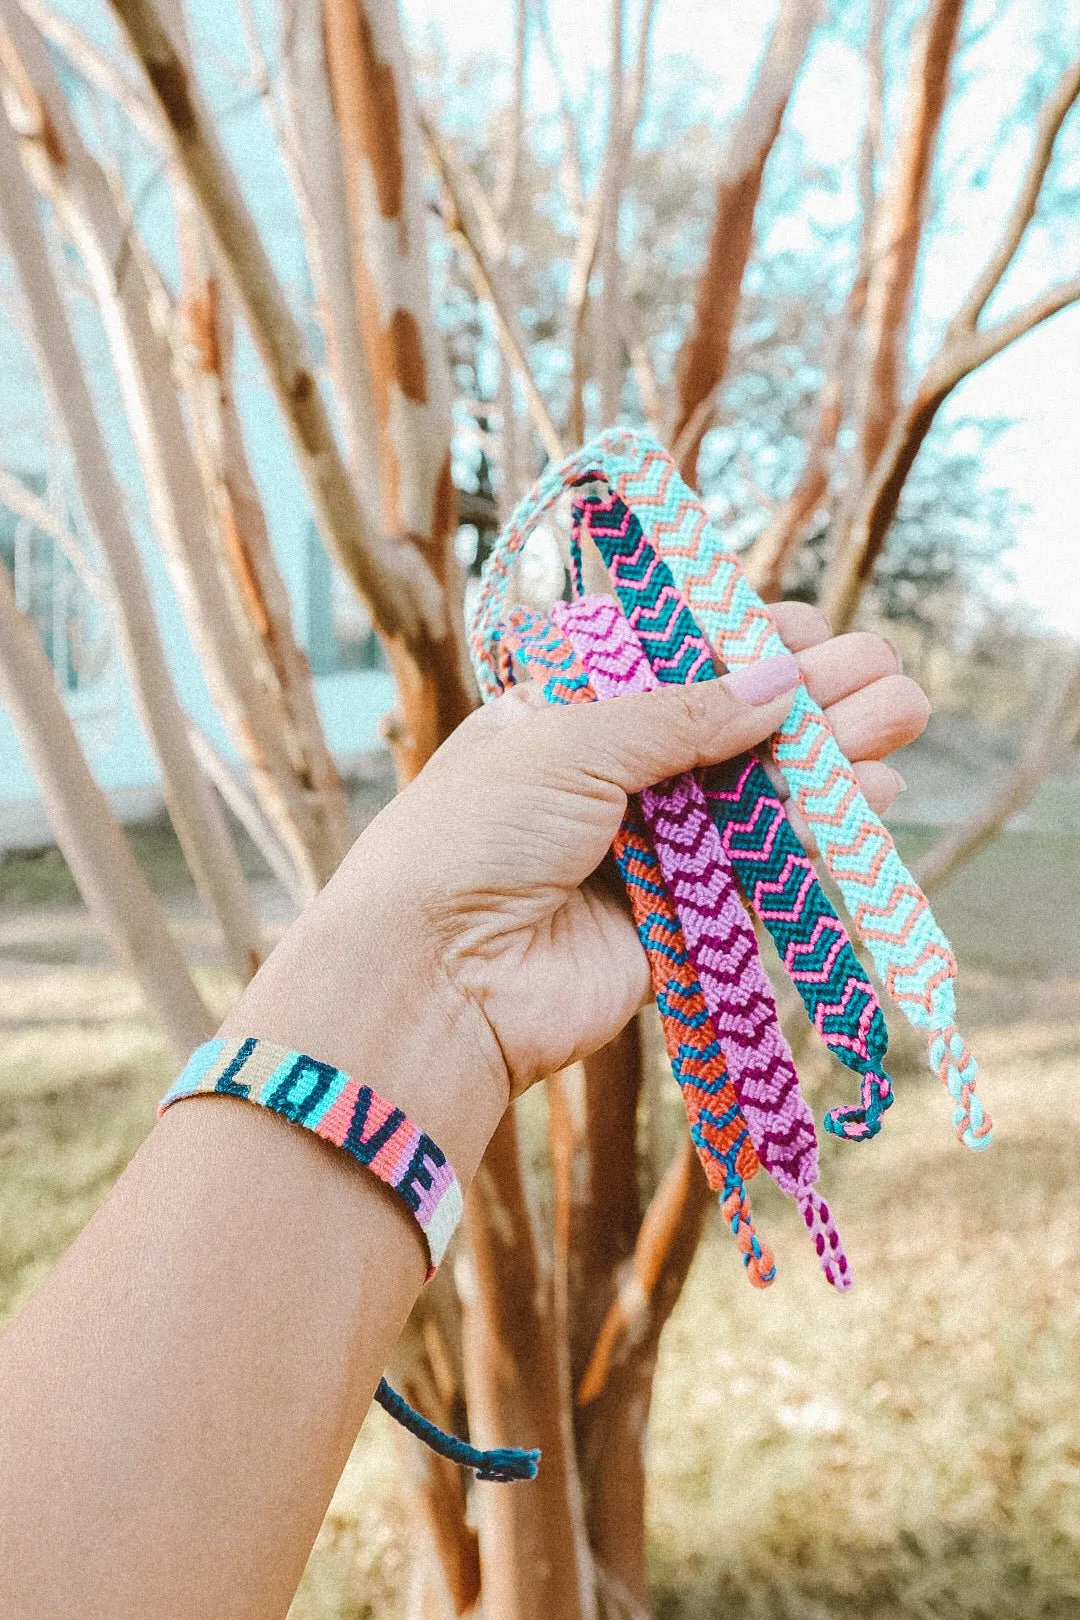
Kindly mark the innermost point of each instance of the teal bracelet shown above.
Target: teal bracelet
(340, 1110)
(379, 1136)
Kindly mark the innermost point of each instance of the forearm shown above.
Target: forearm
(178, 1401)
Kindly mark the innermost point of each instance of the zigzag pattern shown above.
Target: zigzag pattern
(888, 909)
(717, 1127)
(718, 934)
(769, 862)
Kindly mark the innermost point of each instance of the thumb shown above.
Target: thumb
(634, 742)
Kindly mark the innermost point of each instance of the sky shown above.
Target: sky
(1036, 383)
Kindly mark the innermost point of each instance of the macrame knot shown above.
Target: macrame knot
(757, 1256)
(860, 1123)
(951, 1056)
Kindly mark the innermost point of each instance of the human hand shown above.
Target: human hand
(476, 920)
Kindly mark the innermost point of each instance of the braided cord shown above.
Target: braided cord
(718, 933)
(768, 860)
(717, 1126)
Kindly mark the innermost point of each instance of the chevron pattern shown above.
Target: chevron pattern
(721, 942)
(889, 910)
(769, 862)
(716, 1122)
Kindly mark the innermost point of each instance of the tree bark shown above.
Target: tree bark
(703, 359)
(533, 1545)
(198, 818)
(379, 142)
(298, 787)
(90, 837)
(391, 574)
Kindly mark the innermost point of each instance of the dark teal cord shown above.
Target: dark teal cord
(503, 1466)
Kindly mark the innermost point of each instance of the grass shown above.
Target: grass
(909, 1451)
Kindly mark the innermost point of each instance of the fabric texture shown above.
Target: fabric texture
(890, 913)
(768, 860)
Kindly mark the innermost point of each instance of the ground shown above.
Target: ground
(909, 1450)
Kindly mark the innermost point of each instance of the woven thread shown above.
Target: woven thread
(767, 858)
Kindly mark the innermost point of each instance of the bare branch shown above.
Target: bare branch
(575, 189)
(109, 878)
(1051, 725)
(244, 808)
(1051, 117)
(703, 358)
(96, 68)
(677, 1209)
(635, 101)
(25, 504)
(507, 186)
(391, 575)
(609, 368)
(466, 223)
(200, 823)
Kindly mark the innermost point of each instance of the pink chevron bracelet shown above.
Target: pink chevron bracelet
(379, 1136)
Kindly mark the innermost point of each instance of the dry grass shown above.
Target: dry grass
(911, 1450)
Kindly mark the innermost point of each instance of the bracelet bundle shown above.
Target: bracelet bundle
(691, 850)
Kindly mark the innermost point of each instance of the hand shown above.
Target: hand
(476, 920)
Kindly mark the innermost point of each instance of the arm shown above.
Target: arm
(179, 1399)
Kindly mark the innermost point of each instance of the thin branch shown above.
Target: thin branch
(248, 814)
(575, 189)
(25, 504)
(609, 369)
(703, 359)
(96, 68)
(635, 101)
(1051, 725)
(507, 187)
(392, 576)
(468, 233)
(677, 1207)
(1051, 117)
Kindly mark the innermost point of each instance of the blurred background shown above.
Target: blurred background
(296, 301)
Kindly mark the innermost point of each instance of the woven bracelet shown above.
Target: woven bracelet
(379, 1136)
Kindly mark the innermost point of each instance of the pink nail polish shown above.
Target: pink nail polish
(760, 683)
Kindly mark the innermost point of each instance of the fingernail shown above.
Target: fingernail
(896, 654)
(761, 682)
(901, 785)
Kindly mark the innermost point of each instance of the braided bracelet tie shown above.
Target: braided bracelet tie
(379, 1136)
(722, 946)
(768, 860)
(717, 1126)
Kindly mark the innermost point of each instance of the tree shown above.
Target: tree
(650, 275)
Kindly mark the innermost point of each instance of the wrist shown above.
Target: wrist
(383, 1010)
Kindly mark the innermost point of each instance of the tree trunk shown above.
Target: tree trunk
(198, 818)
(703, 358)
(90, 837)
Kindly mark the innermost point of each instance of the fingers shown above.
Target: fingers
(633, 742)
(836, 668)
(882, 717)
(800, 625)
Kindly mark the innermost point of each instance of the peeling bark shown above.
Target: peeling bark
(93, 844)
(200, 823)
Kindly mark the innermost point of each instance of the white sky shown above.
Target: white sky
(1036, 383)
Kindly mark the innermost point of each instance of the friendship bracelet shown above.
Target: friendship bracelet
(768, 860)
(737, 991)
(890, 912)
(379, 1136)
(717, 1127)
(352, 1116)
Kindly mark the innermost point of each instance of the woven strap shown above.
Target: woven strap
(768, 860)
(889, 910)
(737, 991)
(379, 1136)
(717, 1126)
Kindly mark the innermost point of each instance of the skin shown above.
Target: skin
(178, 1400)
